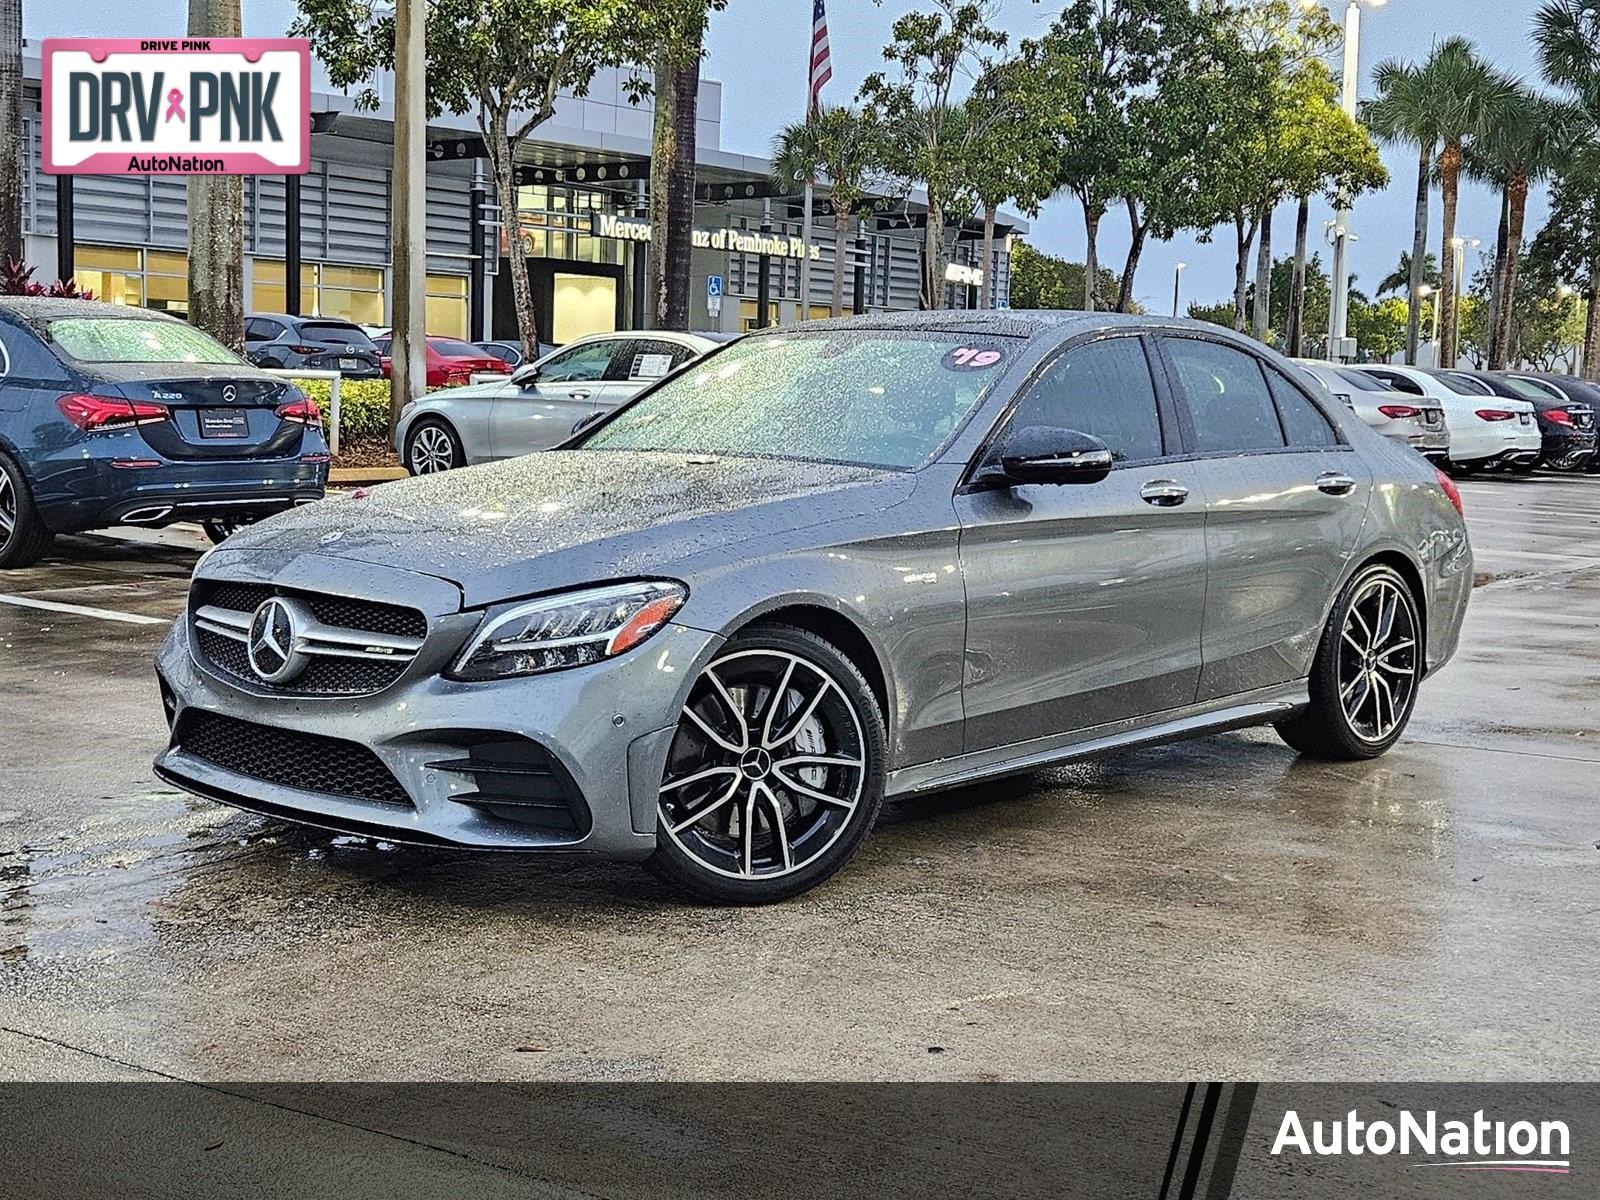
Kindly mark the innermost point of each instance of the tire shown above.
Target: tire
(23, 536)
(1368, 654)
(433, 446)
(1524, 468)
(220, 529)
(733, 826)
(1459, 470)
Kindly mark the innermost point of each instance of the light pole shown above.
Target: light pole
(1177, 285)
(1459, 244)
(1339, 310)
(1423, 293)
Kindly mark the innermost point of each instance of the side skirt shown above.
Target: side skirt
(1261, 707)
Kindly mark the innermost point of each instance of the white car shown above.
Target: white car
(1486, 432)
(1392, 413)
(540, 403)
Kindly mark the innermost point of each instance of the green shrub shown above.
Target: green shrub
(363, 407)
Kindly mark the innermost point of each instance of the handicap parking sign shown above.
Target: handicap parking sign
(713, 287)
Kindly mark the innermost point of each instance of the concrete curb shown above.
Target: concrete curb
(364, 476)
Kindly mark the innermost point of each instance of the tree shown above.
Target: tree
(1427, 274)
(1025, 104)
(845, 146)
(931, 137)
(1379, 329)
(505, 61)
(1570, 241)
(1045, 281)
(1120, 47)
(681, 46)
(1404, 112)
(1567, 34)
(1523, 138)
(13, 150)
(215, 214)
(1459, 90)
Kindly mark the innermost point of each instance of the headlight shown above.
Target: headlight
(569, 630)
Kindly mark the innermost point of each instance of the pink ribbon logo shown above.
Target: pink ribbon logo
(175, 105)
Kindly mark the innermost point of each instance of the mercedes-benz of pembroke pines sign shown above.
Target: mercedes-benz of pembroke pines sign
(177, 106)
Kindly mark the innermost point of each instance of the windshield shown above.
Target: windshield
(132, 340)
(868, 397)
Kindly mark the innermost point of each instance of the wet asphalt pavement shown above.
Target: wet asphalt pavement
(1215, 909)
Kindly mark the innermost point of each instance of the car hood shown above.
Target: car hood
(563, 518)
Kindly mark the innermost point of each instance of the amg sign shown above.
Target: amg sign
(189, 106)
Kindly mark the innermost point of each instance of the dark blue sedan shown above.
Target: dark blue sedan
(122, 416)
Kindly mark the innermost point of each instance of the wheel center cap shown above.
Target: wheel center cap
(755, 763)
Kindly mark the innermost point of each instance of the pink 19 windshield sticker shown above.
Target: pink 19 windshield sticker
(177, 106)
(971, 358)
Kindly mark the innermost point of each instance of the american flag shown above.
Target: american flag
(821, 66)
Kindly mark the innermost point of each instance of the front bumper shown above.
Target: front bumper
(606, 727)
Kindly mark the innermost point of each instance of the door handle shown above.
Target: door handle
(579, 394)
(1335, 483)
(1164, 493)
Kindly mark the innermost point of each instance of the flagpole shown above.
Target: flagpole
(805, 255)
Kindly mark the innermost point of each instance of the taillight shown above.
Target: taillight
(93, 414)
(303, 410)
(1558, 416)
(1451, 491)
(307, 349)
(1399, 412)
(1496, 414)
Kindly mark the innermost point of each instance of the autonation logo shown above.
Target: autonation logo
(1476, 1145)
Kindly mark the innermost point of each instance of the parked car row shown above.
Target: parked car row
(1469, 420)
(541, 403)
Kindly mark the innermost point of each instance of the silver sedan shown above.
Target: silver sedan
(539, 405)
(827, 565)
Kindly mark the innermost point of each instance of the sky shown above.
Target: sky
(758, 50)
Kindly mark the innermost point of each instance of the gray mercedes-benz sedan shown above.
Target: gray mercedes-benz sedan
(826, 565)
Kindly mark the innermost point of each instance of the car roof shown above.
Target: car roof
(1016, 322)
(50, 308)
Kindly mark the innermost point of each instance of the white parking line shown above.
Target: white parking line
(83, 610)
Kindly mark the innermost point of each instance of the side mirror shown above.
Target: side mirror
(526, 375)
(1043, 454)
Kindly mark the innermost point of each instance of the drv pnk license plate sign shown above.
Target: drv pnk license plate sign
(177, 106)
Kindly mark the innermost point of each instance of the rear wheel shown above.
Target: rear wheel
(776, 773)
(1523, 468)
(1459, 470)
(220, 529)
(1365, 676)
(23, 537)
(432, 446)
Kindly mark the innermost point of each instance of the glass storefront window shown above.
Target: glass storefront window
(137, 278)
(446, 305)
(326, 290)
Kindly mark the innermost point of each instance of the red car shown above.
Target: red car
(451, 362)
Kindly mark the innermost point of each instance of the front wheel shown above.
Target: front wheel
(23, 536)
(776, 772)
(1365, 676)
(432, 446)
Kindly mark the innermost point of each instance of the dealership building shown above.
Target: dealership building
(582, 194)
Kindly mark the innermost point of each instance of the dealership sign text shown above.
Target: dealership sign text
(741, 241)
(207, 106)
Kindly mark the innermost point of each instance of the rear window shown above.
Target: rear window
(132, 340)
(451, 348)
(1356, 379)
(336, 333)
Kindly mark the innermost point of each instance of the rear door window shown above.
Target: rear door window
(1227, 395)
(1103, 389)
(1303, 422)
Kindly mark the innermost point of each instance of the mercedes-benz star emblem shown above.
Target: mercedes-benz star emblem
(230, 393)
(274, 645)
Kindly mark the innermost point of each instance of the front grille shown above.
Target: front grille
(307, 762)
(324, 675)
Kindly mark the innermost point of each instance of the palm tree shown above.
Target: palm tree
(12, 154)
(1524, 138)
(1400, 278)
(844, 145)
(1460, 90)
(1405, 112)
